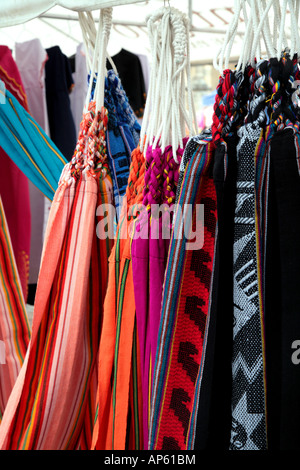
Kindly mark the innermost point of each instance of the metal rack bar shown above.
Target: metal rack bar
(138, 24)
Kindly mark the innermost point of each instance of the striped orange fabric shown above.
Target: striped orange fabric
(47, 408)
(14, 326)
(119, 383)
(98, 277)
(52, 405)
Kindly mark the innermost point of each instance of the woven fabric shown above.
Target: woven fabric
(14, 326)
(10, 75)
(123, 108)
(14, 188)
(47, 408)
(214, 404)
(248, 368)
(118, 393)
(282, 319)
(184, 316)
(121, 137)
(29, 147)
(190, 149)
(149, 250)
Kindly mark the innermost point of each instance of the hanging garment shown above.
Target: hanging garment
(119, 390)
(149, 250)
(10, 75)
(59, 84)
(131, 75)
(248, 363)
(48, 405)
(79, 92)
(14, 326)
(29, 147)
(118, 147)
(184, 314)
(262, 345)
(14, 187)
(127, 120)
(282, 316)
(146, 70)
(214, 407)
(31, 58)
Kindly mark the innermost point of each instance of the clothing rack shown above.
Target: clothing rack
(138, 24)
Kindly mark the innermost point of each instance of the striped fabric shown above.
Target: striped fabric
(10, 75)
(149, 251)
(123, 108)
(14, 186)
(118, 423)
(185, 315)
(28, 146)
(52, 404)
(121, 136)
(98, 278)
(14, 327)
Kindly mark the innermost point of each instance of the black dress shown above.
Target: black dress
(59, 84)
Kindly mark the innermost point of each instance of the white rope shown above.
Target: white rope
(297, 7)
(230, 33)
(258, 30)
(93, 68)
(295, 40)
(170, 111)
(267, 30)
(280, 44)
(247, 40)
(95, 42)
(255, 9)
(89, 33)
(106, 22)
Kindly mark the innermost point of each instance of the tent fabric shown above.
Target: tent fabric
(14, 12)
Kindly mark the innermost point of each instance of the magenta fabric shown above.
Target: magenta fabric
(14, 187)
(140, 272)
(149, 251)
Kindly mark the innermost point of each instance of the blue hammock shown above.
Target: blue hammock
(27, 144)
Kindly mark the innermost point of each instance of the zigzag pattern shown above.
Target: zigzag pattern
(248, 411)
(250, 372)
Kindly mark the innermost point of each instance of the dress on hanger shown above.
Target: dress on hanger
(31, 58)
(59, 84)
(79, 92)
(131, 75)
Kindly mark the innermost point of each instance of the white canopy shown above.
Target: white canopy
(13, 12)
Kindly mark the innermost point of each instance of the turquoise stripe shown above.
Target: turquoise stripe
(22, 136)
